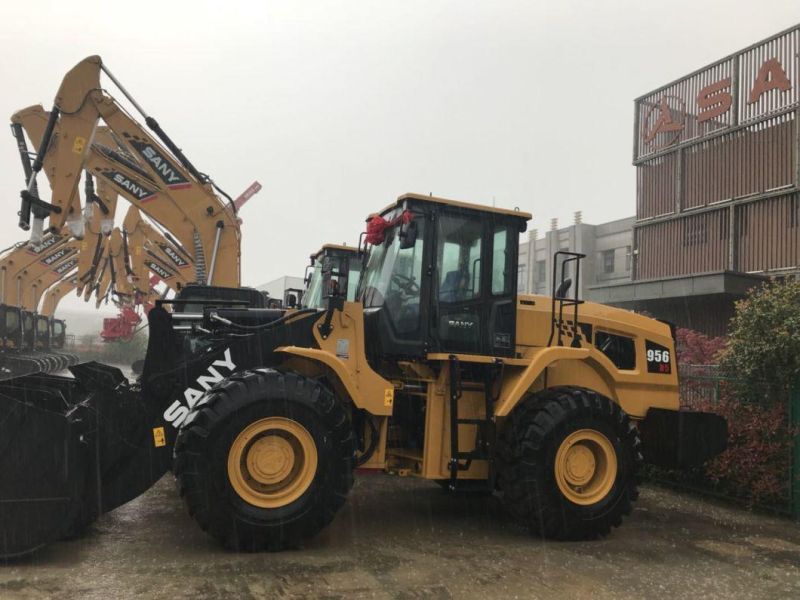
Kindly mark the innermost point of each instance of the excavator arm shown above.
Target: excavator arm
(22, 271)
(56, 293)
(156, 173)
(150, 249)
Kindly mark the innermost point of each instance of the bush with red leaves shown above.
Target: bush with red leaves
(695, 348)
(756, 467)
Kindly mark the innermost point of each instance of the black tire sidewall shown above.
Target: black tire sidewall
(219, 449)
(624, 465)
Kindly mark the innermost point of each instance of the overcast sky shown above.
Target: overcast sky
(339, 107)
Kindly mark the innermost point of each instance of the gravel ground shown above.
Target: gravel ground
(404, 538)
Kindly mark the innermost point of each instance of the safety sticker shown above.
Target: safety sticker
(159, 438)
(79, 145)
(388, 397)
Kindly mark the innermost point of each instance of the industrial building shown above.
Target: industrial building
(717, 203)
(608, 248)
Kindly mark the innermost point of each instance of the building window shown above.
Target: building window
(794, 211)
(541, 271)
(608, 261)
(522, 278)
(628, 257)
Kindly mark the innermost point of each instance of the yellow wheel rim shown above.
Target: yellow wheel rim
(272, 462)
(585, 467)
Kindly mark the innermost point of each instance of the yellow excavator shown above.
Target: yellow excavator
(439, 369)
(165, 186)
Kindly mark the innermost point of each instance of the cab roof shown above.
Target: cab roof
(338, 247)
(457, 203)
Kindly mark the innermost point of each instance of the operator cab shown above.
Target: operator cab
(58, 336)
(28, 330)
(333, 270)
(11, 326)
(42, 332)
(441, 277)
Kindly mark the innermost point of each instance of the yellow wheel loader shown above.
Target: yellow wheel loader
(339, 266)
(439, 369)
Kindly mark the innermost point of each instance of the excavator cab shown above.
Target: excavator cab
(28, 331)
(58, 334)
(334, 271)
(42, 336)
(11, 324)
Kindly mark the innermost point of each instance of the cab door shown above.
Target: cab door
(458, 283)
(474, 283)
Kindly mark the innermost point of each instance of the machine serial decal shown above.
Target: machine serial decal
(659, 359)
(178, 411)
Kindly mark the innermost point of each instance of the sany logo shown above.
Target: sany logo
(44, 245)
(140, 192)
(65, 266)
(168, 173)
(177, 412)
(56, 256)
(159, 270)
(174, 256)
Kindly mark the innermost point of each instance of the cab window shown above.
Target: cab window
(459, 258)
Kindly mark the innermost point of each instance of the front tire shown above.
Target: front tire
(567, 464)
(265, 460)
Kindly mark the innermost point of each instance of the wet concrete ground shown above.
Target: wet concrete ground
(404, 538)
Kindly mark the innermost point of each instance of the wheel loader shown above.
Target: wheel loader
(336, 265)
(439, 370)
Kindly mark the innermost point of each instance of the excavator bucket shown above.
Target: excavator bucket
(72, 448)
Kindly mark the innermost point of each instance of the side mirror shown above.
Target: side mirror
(408, 237)
(562, 290)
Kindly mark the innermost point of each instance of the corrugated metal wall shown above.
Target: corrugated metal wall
(694, 244)
(768, 234)
(656, 184)
(726, 134)
(755, 159)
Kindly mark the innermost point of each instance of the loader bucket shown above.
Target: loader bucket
(42, 468)
(71, 449)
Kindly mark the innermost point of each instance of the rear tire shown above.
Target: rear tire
(567, 459)
(232, 467)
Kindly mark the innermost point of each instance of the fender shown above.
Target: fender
(520, 382)
(366, 389)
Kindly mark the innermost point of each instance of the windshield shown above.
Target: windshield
(353, 276)
(313, 296)
(12, 322)
(391, 280)
(42, 326)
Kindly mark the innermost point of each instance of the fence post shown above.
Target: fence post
(794, 412)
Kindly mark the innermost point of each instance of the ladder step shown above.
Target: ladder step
(473, 421)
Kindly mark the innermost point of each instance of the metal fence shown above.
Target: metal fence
(761, 467)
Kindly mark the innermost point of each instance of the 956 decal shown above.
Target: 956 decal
(659, 358)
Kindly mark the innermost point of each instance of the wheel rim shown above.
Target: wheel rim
(272, 462)
(585, 466)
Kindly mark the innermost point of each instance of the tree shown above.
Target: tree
(763, 351)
